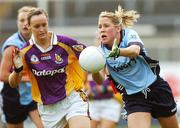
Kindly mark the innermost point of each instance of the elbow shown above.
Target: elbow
(135, 52)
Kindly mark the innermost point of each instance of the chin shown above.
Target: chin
(104, 42)
(43, 36)
(42, 39)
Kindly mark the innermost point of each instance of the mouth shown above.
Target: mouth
(103, 37)
(25, 29)
(42, 35)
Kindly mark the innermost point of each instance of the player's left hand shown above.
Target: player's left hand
(17, 60)
(115, 50)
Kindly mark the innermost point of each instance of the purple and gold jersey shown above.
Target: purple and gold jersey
(54, 72)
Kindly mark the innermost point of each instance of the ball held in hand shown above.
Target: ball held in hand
(91, 59)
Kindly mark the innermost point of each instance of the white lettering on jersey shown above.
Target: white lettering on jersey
(48, 72)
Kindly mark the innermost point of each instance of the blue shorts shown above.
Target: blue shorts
(157, 99)
(15, 112)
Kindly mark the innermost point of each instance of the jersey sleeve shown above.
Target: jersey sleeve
(10, 43)
(76, 46)
(25, 65)
(133, 38)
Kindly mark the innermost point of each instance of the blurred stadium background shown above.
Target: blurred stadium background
(159, 25)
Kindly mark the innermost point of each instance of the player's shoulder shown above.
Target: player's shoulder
(65, 39)
(129, 31)
(12, 38)
(69, 42)
(26, 49)
(131, 34)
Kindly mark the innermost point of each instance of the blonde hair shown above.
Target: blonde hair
(25, 9)
(121, 17)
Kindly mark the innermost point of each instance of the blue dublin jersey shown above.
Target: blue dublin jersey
(133, 73)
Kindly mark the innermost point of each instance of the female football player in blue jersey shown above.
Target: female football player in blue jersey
(146, 94)
(51, 61)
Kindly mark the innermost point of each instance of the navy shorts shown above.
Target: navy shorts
(157, 99)
(15, 112)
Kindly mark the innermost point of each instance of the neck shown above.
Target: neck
(26, 37)
(44, 43)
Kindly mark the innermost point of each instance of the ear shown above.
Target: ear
(118, 28)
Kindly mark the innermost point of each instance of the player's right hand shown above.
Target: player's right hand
(17, 59)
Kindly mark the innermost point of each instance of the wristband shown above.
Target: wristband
(18, 70)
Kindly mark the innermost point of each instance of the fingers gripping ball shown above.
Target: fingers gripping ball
(91, 59)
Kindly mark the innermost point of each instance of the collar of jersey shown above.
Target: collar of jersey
(53, 42)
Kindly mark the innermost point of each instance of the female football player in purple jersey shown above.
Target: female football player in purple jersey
(146, 94)
(51, 61)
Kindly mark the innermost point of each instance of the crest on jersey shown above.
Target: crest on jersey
(78, 47)
(34, 59)
(58, 59)
(133, 37)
